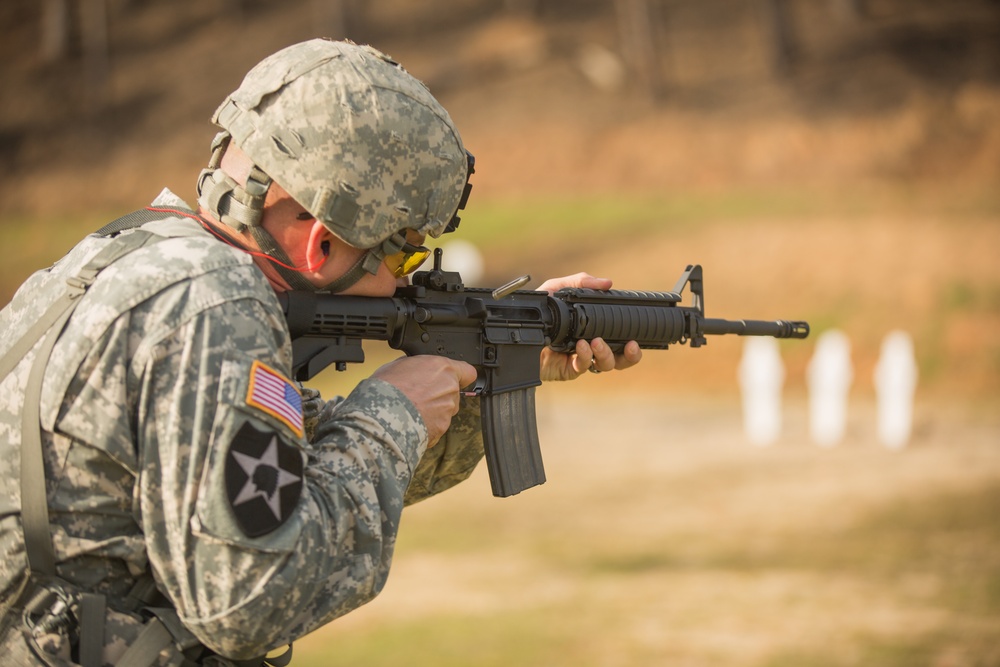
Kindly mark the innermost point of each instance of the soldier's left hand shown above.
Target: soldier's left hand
(594, 355)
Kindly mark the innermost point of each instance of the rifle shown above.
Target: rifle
(502, 333)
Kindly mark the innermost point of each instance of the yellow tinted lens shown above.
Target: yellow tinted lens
(405, 263)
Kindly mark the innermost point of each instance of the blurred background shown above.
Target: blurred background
(830, 160)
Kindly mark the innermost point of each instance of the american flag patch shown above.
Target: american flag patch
(271, 392)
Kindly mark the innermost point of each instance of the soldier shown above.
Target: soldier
(169, 496)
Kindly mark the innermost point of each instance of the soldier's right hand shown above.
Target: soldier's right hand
(433, 385)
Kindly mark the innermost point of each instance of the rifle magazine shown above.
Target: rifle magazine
(510, 437)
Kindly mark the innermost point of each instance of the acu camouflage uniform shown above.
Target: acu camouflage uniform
(147, 414)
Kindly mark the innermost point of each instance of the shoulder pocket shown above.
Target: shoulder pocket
(252, 485)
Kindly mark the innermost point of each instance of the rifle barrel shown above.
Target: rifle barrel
(775, 328)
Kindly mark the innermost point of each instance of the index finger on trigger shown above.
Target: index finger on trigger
(465, 373)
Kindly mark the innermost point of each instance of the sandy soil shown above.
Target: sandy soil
(662, 537)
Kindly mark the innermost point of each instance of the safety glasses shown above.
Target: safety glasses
(407, 260)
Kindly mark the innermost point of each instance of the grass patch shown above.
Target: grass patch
(864, 651)
(940, 648)
(614, 215)
(34, 244)
(961, 295)
(950, 540)
(494, 640)
(512, 222)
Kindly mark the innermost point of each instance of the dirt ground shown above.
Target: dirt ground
(663, 538)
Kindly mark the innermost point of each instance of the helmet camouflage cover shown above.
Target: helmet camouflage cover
(352, 137)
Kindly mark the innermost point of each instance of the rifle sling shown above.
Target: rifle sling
(159, 633)
(34, 501)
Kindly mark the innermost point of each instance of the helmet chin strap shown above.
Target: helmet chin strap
(369, 262)
(353, 274)
(242, 208)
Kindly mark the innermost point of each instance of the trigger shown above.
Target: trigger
(476, 388)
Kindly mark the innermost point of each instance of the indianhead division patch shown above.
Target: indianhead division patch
(263, 480)
(271, 392)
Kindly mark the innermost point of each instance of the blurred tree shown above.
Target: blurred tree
(55, 30)
(641, 29)
(337, 18)
(529, 7)
(779, 34)
(851, 9)
(233, 8)
(91, 21)
(96, 55)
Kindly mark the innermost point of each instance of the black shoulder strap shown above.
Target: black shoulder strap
(138, 219)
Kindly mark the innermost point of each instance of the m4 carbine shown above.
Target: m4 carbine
(502, 333)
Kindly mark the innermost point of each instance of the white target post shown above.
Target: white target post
(895, 381)
(762, 377)
(829, 375)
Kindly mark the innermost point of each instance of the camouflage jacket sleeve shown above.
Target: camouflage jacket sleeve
(255, 535)
(442, 466)
(453, 458)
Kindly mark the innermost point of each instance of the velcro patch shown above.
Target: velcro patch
(263, 480)
(271, 392)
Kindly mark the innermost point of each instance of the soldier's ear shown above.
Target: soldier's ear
(319, 246)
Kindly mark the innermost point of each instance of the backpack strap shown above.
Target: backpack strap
(34, 504)
(34, 501)
(139, 218)
(48, 327)
(164, 630)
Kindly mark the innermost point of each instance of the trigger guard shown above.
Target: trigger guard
(476, 388)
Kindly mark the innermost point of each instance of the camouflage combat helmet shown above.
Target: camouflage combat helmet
(352, 137)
